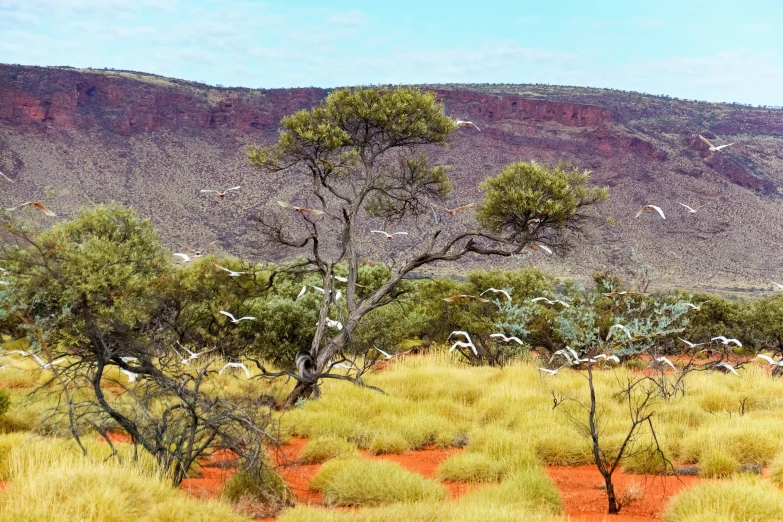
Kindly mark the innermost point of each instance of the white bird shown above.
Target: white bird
(770, 360)
(338, 295)
(606, 357)
(507, 339)
(302, 292)
(341, 278)
(131, 376)
(693, 306)
(234, 319)
(537, 247)
(185, 258)
(778, 285)
(194, 355)
(548, 301)
(565, 353)
(460, 344)
(183, 360)
(389, 237)
(221, 195)
(713, 148)
(621, 327)
(459, 332)
(235, 365)
(317, 288)
(231, 273)
(34, 204)
(6, 178)
(690, 344)
(343, 365)
(651, 208)
(385, 354)
(333, 324)
(463, 123)
(551, 372)
(452, 211)
(691, 210)
(497, 291)
(56, 362)
(129, 359)
(726, 342)
(664, 360)
(300, 209)
(728, 366)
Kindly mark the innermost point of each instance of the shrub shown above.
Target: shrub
(738, 500)
(261, 484)
(360, 482)
(388, 442)
(716, 464)
(322, 449)
(472, 467)
(531, 488)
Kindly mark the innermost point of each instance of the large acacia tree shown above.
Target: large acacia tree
(361, 156)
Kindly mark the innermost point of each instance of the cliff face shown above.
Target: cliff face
(152, 142)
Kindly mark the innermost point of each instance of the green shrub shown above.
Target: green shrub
(716, 464)
(739, 500)
(261, 484)
(531, 488)
(322, 449)
(360, 482)
(388, 442)
(472, 467)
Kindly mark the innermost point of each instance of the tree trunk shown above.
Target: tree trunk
(300, 391)
(614, 507)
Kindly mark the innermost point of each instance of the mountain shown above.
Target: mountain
(74, 137)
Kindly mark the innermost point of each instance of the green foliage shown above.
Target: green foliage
(360, 482)
(524, 192)
(717, 464)
(472, 467)
(320, 450)
(385, 442)
(737, 500)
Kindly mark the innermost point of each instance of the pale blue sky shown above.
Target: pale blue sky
(717, 51)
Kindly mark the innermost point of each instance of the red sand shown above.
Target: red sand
(582, 487)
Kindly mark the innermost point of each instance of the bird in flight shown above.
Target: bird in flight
(221, 195)
(552, 372)
(691, 210)
(332, 323)
(538, 246)
(386, 355)
(462, 344)
(300, 209)
(463, 297)
(690, 344)
(726, 342)
(301, 292)
(231, 273)
(34, 204)
(235, 365)
(569, 353)
(548, 301)
(234, 319)
(651, 208)
(452, 211)
(464, 123)
(728, 367)
(606, 357)
(621, 327)
(506, 339)
(770, 360)
(498, 291)
(6, 178)
(388, 236)
(664, 360)
(185, 258)
(713, 148)
(191, 355)
(693, 306)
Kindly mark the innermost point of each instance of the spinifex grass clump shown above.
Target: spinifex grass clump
(737, 500)
(322, 449)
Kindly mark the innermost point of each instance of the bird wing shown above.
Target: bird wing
(498, 335)
(690, 344)
(224, 268)
(536, 299)
(658, 210)
(205, 191)
(561, 302)
(380, 232)
(459, 332)
(547, 370)
(515, 339)
(6, 178)
(40, 206)
(766, 358)
(302, 292)
(705, 140)
(287, 205)
(312, 211)
(400, 234)
(475, 126)
(735, 341)
(640, 212)
(460, 209)
(573, 352)
(719, 338)
(229, 315)
(721, 147)
(686, 206)
(317, 288)
(184, 257)
(247, 318)
(440, 207)
(388, 356)
(233, 188)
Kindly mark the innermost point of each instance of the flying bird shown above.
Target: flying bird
(690, 344)
(463, 297)
(693, 306)
(770, 360)
(538, 246)
(34, 204)
(728, 367)
(665, 360)
(606, 357)
(452, 211)
(231, 273)
(713, 148)
(552, 372)
(691, 210)
(234, 319)
(221, 195)
(567, 354)
(497, 291)
(461, 344)
(506, 339)
(463, 123)
(386, 355)
(300, 209)
(185, 258)
(235, 365)
(621, 327)
(651, 208)
(548, 301)
(389, 236)
(131, 376)
(302, 292)
(194, 355)
(726, 342)
(331, 323)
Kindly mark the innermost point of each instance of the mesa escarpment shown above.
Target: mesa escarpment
(153, 142)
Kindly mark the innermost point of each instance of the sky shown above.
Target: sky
(714, 51)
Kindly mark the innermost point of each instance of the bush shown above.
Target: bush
(261, 484)
(716, 464)
(531, 488)
(388, 442)
(322, 449)
(472, 467)
(738, 500)
(360, 482)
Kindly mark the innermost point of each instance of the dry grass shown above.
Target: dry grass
(739, 500)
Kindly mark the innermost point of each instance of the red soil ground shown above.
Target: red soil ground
(582, 488)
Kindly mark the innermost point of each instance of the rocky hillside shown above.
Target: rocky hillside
(74, 137)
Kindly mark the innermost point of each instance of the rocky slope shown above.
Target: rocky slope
(81, 136)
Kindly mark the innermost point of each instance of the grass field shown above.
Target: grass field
(503, 417)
